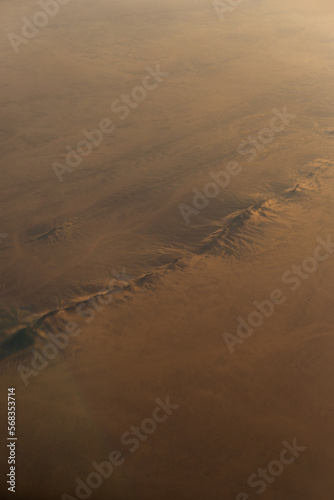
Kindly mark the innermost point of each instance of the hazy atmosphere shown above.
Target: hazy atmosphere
(167, 249)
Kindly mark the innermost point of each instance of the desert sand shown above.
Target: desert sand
(146, 294)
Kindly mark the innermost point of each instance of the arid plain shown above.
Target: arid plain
(184, 250)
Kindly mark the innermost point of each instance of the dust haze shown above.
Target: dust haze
(166, 227)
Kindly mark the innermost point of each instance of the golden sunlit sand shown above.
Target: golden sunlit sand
(186, 254)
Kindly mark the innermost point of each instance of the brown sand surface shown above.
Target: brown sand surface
(177, 287)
